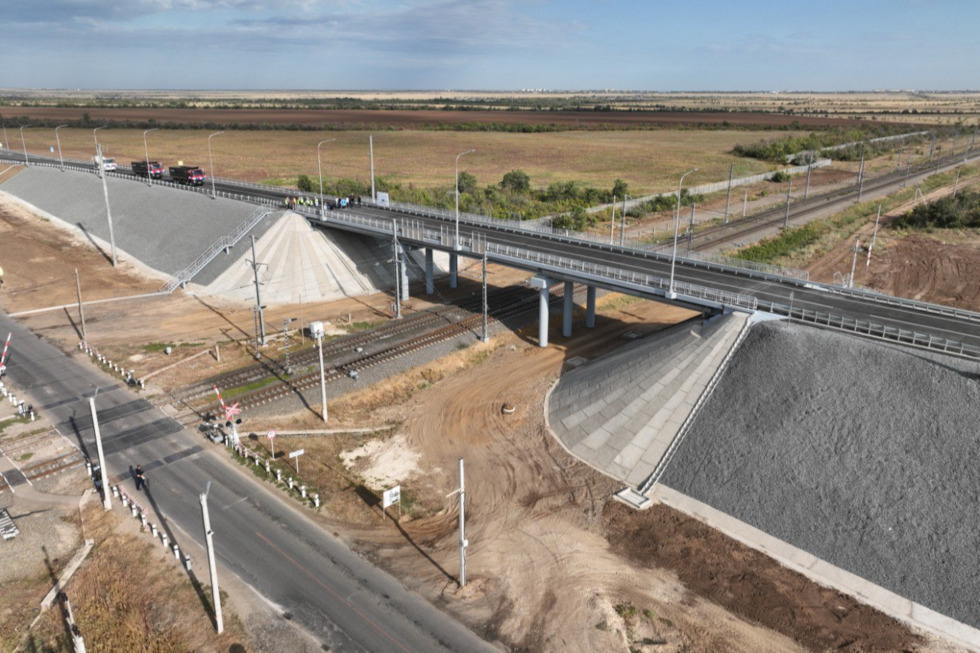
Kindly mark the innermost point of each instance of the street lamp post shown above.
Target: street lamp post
(677, 221)
(57, 138)
(96, 139)
(146, 153)
(211, 164)
(456, 188)
(319, 169)
(6, 143)
(24, 143)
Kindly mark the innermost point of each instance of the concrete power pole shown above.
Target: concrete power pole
(105, 191)
(106, 496)
(258, 298)
(461, 491)
(486, 335)
(728, 200)
(208, 533)
(81, 311)
(874, 237)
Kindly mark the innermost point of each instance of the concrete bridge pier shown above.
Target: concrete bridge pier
(589, 307)
(430, 284)
(569, 306)
(453, 269)
(542, 284)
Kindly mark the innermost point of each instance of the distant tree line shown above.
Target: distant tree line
(782, 149)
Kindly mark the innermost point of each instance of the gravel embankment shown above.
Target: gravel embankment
(861, 453)
(164, 228)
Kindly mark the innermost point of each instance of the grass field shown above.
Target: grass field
(649, 161)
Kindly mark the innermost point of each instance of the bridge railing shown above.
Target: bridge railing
(874, 330)
(223, 243)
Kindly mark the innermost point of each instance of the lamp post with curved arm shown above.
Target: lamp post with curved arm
(214, 195)
(677, 219)
(319, 169)
(146, 153)
(456, 187)
(60, 158)
(96, 139)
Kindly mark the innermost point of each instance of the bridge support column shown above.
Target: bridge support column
(589, 307)
(542, 284)
(569, 306)
(453, 269)
(430, 284)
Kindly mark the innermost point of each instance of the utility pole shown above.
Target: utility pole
(728, 200)
(461, 491)
(371, 151)
(788, 191)
(612, 223)
(874, 237)
(956, 183)
(690, 229)
(398, 272)
(208, 533)
(285, 341)
(854, 260)
(745, 203)
(258, 299)
(806, 191)
(81, 311)
(486, 334)
(106, 496)
(622, 229)
(316, 330)
(861, 175)
(108, 212)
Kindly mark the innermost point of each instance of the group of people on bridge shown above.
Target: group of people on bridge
(314, 202)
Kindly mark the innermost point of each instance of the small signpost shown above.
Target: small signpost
(296, 454)
(390, 497)
(272, 442)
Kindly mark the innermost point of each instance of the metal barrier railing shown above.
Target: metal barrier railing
(223, 243)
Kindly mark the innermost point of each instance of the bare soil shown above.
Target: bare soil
(938, 266)
(553, 564)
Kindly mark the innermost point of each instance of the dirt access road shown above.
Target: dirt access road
(553, 564)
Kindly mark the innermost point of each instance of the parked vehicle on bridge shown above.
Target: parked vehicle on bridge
(108, 163)
(144, 169)
(187, 175)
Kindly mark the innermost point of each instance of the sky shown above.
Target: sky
(652, 45)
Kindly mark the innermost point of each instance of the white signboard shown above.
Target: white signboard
(382, 200)
(272, 435)
(392, 496)
(297, 453)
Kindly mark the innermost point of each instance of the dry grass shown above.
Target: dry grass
(131, 595)
(650, 161)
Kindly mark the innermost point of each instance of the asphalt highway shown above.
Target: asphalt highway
(263, 538)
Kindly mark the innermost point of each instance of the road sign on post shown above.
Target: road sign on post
(296, 454)
(272, 442)
(391, 497)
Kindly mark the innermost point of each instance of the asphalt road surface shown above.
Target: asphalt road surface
(346, 603)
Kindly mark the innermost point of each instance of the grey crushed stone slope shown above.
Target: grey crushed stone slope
(861, 453)
(166, 229)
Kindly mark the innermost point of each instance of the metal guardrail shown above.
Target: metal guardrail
(888, 300)
(223, 243)
(874, 330)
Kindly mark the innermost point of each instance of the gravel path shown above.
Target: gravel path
(861, 453)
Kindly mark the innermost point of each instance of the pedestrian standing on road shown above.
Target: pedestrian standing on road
(140, 481)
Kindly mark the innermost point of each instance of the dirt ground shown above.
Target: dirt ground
(553, 563)
(937, 267)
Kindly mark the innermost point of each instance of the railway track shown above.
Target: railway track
(358, 352)
(747, 229)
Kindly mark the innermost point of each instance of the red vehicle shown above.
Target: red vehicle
(187, 175)
(143, 169)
